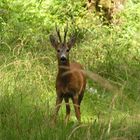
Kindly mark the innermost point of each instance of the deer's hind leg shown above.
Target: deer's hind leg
(67, 109)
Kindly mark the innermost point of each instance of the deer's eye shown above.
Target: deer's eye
(67, 50)
(58, 50)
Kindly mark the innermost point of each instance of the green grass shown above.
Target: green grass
(28, 68)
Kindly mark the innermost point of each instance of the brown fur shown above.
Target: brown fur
(70, 80)
(70, 83)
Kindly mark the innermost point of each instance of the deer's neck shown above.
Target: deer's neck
(64, 70)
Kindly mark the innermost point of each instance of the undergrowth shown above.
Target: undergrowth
(28, 68)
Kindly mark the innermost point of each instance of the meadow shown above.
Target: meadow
(28, 68)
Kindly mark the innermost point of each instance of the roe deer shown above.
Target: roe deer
(70, 81)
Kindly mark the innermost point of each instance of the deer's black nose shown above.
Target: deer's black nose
(63, 58)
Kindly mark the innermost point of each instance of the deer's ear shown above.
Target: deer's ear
(54, 41)
(72, 41)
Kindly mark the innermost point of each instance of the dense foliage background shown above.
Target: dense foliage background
(28, 68)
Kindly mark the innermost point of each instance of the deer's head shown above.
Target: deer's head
(62, 47)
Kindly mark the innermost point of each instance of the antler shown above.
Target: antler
(58, 33)
(65, 33)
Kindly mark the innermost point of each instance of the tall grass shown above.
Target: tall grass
(28, 69)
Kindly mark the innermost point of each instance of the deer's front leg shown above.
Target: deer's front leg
(57, 107)
(76, 107)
